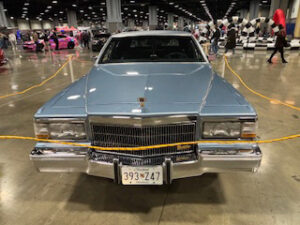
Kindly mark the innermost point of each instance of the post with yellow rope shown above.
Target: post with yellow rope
(71, 69)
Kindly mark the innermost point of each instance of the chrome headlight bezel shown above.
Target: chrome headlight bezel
(60, 129)
(229, 129)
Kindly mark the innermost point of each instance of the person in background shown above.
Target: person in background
(35, 38)
(13, 40)
(45, 37)
(1, 40)
(231, 39)
(214, 41)
(78, 37)
(86, 39)
(55, 39)
(5, 41)
(81, 39)
(279, 46)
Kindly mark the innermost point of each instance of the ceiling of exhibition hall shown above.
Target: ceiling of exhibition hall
(95, 10)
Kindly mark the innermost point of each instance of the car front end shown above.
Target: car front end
(172, 162)
(148, 123)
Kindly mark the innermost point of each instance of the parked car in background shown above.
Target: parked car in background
(145, 89)
(99, 40)
(65, 42)
(31, 45)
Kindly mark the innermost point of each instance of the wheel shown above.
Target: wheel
(71, 45)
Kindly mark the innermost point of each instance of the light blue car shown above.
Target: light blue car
(148, 88)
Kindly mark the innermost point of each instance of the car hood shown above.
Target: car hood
(166, 87)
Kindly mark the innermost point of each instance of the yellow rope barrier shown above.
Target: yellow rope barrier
(40, 84)
(255, 92)
(151, 146)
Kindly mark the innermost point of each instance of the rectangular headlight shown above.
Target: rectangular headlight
(66, 130)
(229, 129)
(222, 130)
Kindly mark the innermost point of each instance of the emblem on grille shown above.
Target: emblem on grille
(183, 147)
(142, 101)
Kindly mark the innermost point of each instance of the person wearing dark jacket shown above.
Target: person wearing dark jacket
(214, 41)
(279, 46)
(86, 39)
(55, 39)
(231, 39)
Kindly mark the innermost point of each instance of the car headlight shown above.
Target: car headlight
(68, 130)
(229, 130)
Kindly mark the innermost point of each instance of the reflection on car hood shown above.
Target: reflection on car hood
(116, 88)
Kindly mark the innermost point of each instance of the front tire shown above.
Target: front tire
(71, 45)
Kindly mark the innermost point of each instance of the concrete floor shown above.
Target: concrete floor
(270, 196)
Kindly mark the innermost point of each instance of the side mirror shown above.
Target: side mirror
(94, 57)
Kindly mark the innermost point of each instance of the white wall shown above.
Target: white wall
(11, 23)
(47, 25)
(35, 25)
(23, 24)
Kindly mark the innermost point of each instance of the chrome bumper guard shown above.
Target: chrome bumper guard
(206, 163)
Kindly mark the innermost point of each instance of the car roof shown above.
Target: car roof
(152, 33)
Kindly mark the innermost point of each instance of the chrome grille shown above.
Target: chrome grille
(111, 135)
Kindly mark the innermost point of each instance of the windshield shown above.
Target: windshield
(152, 49)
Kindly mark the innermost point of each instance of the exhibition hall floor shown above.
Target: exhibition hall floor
(270, 196)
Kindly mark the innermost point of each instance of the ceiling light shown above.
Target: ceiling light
(171, 3)
(12, 17)
(25, 8)
(132, 1)
(49, 7)
(54, 2)
(102, 3)
(74, 5)
(26, 3)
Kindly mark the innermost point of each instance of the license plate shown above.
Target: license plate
(151, 175)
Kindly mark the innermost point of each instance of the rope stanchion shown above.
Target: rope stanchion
(40, 84)
(141, 148)
(255, 92)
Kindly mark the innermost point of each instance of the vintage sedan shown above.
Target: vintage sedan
(145, 89)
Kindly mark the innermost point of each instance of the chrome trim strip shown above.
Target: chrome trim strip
(141, 121)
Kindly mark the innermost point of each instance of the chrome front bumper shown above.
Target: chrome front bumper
(208, 161)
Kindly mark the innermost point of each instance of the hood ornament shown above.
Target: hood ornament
(142, 101)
